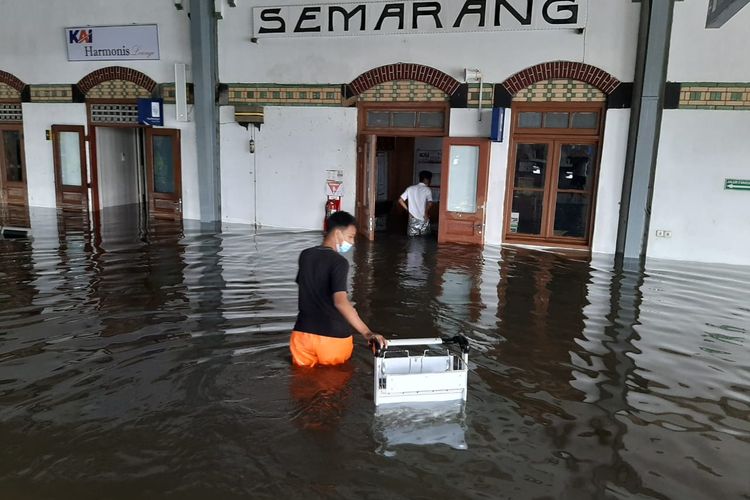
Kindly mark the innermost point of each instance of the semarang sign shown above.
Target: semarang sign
(417, 16)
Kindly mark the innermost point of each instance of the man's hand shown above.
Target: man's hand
(375, 337)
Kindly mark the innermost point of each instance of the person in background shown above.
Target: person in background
(417, 200)
(322, 333)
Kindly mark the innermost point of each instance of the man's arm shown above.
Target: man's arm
(341, 301)
(403, 204)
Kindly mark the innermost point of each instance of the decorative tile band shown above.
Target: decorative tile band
(273, 94)
(117, 89)
(51, 93)
(720, 96)
(9, 93)
(403, 91)
(488, 91)
(560, 91)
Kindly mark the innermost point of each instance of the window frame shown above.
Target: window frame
(555, 138)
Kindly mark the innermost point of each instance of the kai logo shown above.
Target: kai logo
(80, 36)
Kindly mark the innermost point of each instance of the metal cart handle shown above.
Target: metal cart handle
(459, 340)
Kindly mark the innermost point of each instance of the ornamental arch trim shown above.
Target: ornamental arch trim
(103, 75)
(403, 71)
(559, 70)
(11, 81)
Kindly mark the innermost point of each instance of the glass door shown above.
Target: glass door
(552, 190)
(573, 190)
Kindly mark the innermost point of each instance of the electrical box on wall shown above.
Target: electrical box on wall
(498, 124)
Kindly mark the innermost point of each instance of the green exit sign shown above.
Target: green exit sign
(737, 184)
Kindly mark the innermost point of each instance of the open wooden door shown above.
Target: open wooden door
(163, 173)
(366, 185)
(71, 175)
(464, 193)
(14, 197)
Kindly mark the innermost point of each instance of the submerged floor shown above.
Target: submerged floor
(156, 366)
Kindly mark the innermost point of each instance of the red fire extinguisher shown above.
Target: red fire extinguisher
(333, 205)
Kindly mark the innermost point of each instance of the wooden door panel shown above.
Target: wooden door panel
(71, 172)
(14, 200)
(367, 185)
(462, 219)
(164, 173)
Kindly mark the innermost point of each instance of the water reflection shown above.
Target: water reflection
(154, 359)
(421, 425)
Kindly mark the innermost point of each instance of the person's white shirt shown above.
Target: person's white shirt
(418, 196)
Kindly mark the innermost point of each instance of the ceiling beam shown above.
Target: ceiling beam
(721, 11)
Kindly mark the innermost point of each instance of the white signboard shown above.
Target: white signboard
(334, 183)
(113, 43)
(417, 16)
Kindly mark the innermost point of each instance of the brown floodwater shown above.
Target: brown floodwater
(154, 364)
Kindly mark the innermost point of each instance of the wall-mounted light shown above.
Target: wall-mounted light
(232, 3)
(474, 75)
(252, 146)
(178, 5)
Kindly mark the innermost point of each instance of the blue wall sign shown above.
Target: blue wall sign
(498, 124)
(151, 112)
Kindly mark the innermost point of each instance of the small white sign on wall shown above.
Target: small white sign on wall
(113, 43)
(335, 183)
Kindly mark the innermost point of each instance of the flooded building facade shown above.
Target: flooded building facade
(522, 110)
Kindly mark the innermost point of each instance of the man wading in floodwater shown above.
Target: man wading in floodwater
(419, 199)
(322, 333)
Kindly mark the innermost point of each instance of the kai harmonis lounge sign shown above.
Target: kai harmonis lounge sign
(417, 16)
(113, 43)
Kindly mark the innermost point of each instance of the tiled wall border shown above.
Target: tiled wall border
(274, 94)
(52, 93)
(715, 96)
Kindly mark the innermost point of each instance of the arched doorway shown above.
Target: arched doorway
(404, 120)
(557, 132)
(14, 198)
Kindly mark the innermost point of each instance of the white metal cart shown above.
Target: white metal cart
(430, 376)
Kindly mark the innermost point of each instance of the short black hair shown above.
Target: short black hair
(425, 175)
(341, 220)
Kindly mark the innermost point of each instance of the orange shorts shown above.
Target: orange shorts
(310, 350)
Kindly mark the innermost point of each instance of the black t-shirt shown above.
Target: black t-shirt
(322, 272)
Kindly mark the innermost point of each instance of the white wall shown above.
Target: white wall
(698, 150)
(237, 188)
(40, 170)
(698, 54)
(609, 43)
(116, 166)
(611, 172)
(294, 148)
(33, 34)
(189, 157)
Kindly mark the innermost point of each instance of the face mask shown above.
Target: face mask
(345, 247)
